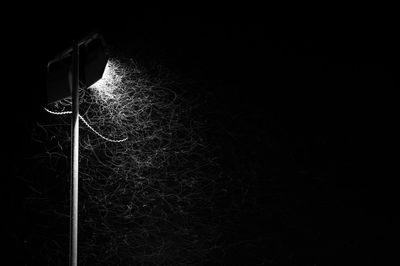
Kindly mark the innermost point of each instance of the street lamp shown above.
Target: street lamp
(82, 64)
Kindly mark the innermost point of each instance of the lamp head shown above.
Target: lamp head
(93, 57)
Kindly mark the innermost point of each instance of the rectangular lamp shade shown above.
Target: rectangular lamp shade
(93, 59)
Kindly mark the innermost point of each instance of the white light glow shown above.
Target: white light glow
(110, 81)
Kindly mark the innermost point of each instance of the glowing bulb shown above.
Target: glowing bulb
(110, 81)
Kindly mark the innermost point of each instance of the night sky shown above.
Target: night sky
(305, 123)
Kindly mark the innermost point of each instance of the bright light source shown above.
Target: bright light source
(111, 80)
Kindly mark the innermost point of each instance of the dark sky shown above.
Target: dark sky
(304, 108)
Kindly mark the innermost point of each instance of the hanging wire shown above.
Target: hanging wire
(87, 124)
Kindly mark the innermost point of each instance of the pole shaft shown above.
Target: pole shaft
(74, 158)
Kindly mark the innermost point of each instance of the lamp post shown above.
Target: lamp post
(74, 157)
(63, 80)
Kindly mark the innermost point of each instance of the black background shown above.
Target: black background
(308, 120)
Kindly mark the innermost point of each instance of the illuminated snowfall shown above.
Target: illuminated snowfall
(152, 196)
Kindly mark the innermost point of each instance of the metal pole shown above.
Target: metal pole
(74, 158)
